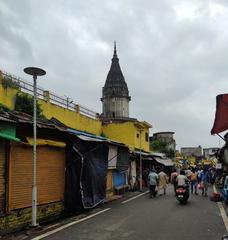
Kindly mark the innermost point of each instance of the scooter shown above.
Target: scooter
(182, 194)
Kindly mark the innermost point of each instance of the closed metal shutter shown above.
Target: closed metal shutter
(2, 176)
(50, 175)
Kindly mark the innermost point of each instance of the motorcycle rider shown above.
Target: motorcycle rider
(182, 180)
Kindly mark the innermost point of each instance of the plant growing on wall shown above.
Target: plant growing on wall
(3, 108)
(8, 82)
(24, 103)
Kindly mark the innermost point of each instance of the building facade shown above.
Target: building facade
(208, 152)
(166, 137)
(191, 151)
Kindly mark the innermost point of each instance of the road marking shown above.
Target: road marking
(130, 199)
(69, 224)
(222, 211)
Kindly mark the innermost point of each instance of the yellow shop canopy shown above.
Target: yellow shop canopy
(43, 142)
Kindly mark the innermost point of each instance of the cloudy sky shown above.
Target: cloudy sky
(173, 54)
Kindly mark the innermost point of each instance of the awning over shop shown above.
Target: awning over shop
(164, 161)
(89, 139)
(86, 136)
(43, 142)
(9, 137)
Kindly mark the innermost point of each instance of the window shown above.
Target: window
(137, 135)
(146, 137)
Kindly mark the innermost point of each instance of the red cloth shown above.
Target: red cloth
(221, 115)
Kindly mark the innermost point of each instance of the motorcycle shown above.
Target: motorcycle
(182, 194)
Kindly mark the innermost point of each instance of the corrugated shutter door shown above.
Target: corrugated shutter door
(2, 176)
(50, 175)
(20, 190)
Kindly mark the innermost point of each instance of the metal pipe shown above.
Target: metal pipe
(140, 160)
(34, 187)
(34, 71)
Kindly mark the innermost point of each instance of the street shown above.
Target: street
(143, 218)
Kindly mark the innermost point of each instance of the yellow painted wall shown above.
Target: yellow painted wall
(144, 144)
(66, 116)
(71, 118)
(126, 133)
(7, 96)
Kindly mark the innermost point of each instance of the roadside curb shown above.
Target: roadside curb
(113, 198)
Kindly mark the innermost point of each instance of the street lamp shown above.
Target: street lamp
(34, 72)
(140, 159)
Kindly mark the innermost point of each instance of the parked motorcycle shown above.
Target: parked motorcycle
(182, 194)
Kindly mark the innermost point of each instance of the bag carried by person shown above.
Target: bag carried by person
(200, 186)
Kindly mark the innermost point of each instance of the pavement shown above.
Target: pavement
(28, 233)
(136, 216)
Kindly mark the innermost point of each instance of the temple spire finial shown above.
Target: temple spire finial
(115, 52)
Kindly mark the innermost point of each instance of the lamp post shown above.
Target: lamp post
(140, 159)
(34, 72)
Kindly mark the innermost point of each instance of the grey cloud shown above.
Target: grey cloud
(174, 67)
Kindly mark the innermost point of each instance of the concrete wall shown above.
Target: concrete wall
(191, 151)
(21, 218)
(116, 107)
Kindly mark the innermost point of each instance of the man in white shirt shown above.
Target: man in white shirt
(181, 179)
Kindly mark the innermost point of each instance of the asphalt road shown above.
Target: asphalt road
(143, 218)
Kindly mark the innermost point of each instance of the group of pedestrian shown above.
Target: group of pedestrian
(157, 182)
(193, 179)
(196, 178)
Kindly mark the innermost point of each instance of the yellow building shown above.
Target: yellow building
(133, 133)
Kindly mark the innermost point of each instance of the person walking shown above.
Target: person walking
(173, 177)
(199, 172)
(153, 182)
(205, 180)
(163, 180)
(193, 179)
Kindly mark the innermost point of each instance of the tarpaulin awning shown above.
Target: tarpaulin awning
(87, 136)
(164, 161)
(221, 115)
(86, 173)
(142, 153)
(9, 137)
(43, 142)
(89, 139)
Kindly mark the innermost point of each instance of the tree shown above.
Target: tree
(160, 146)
